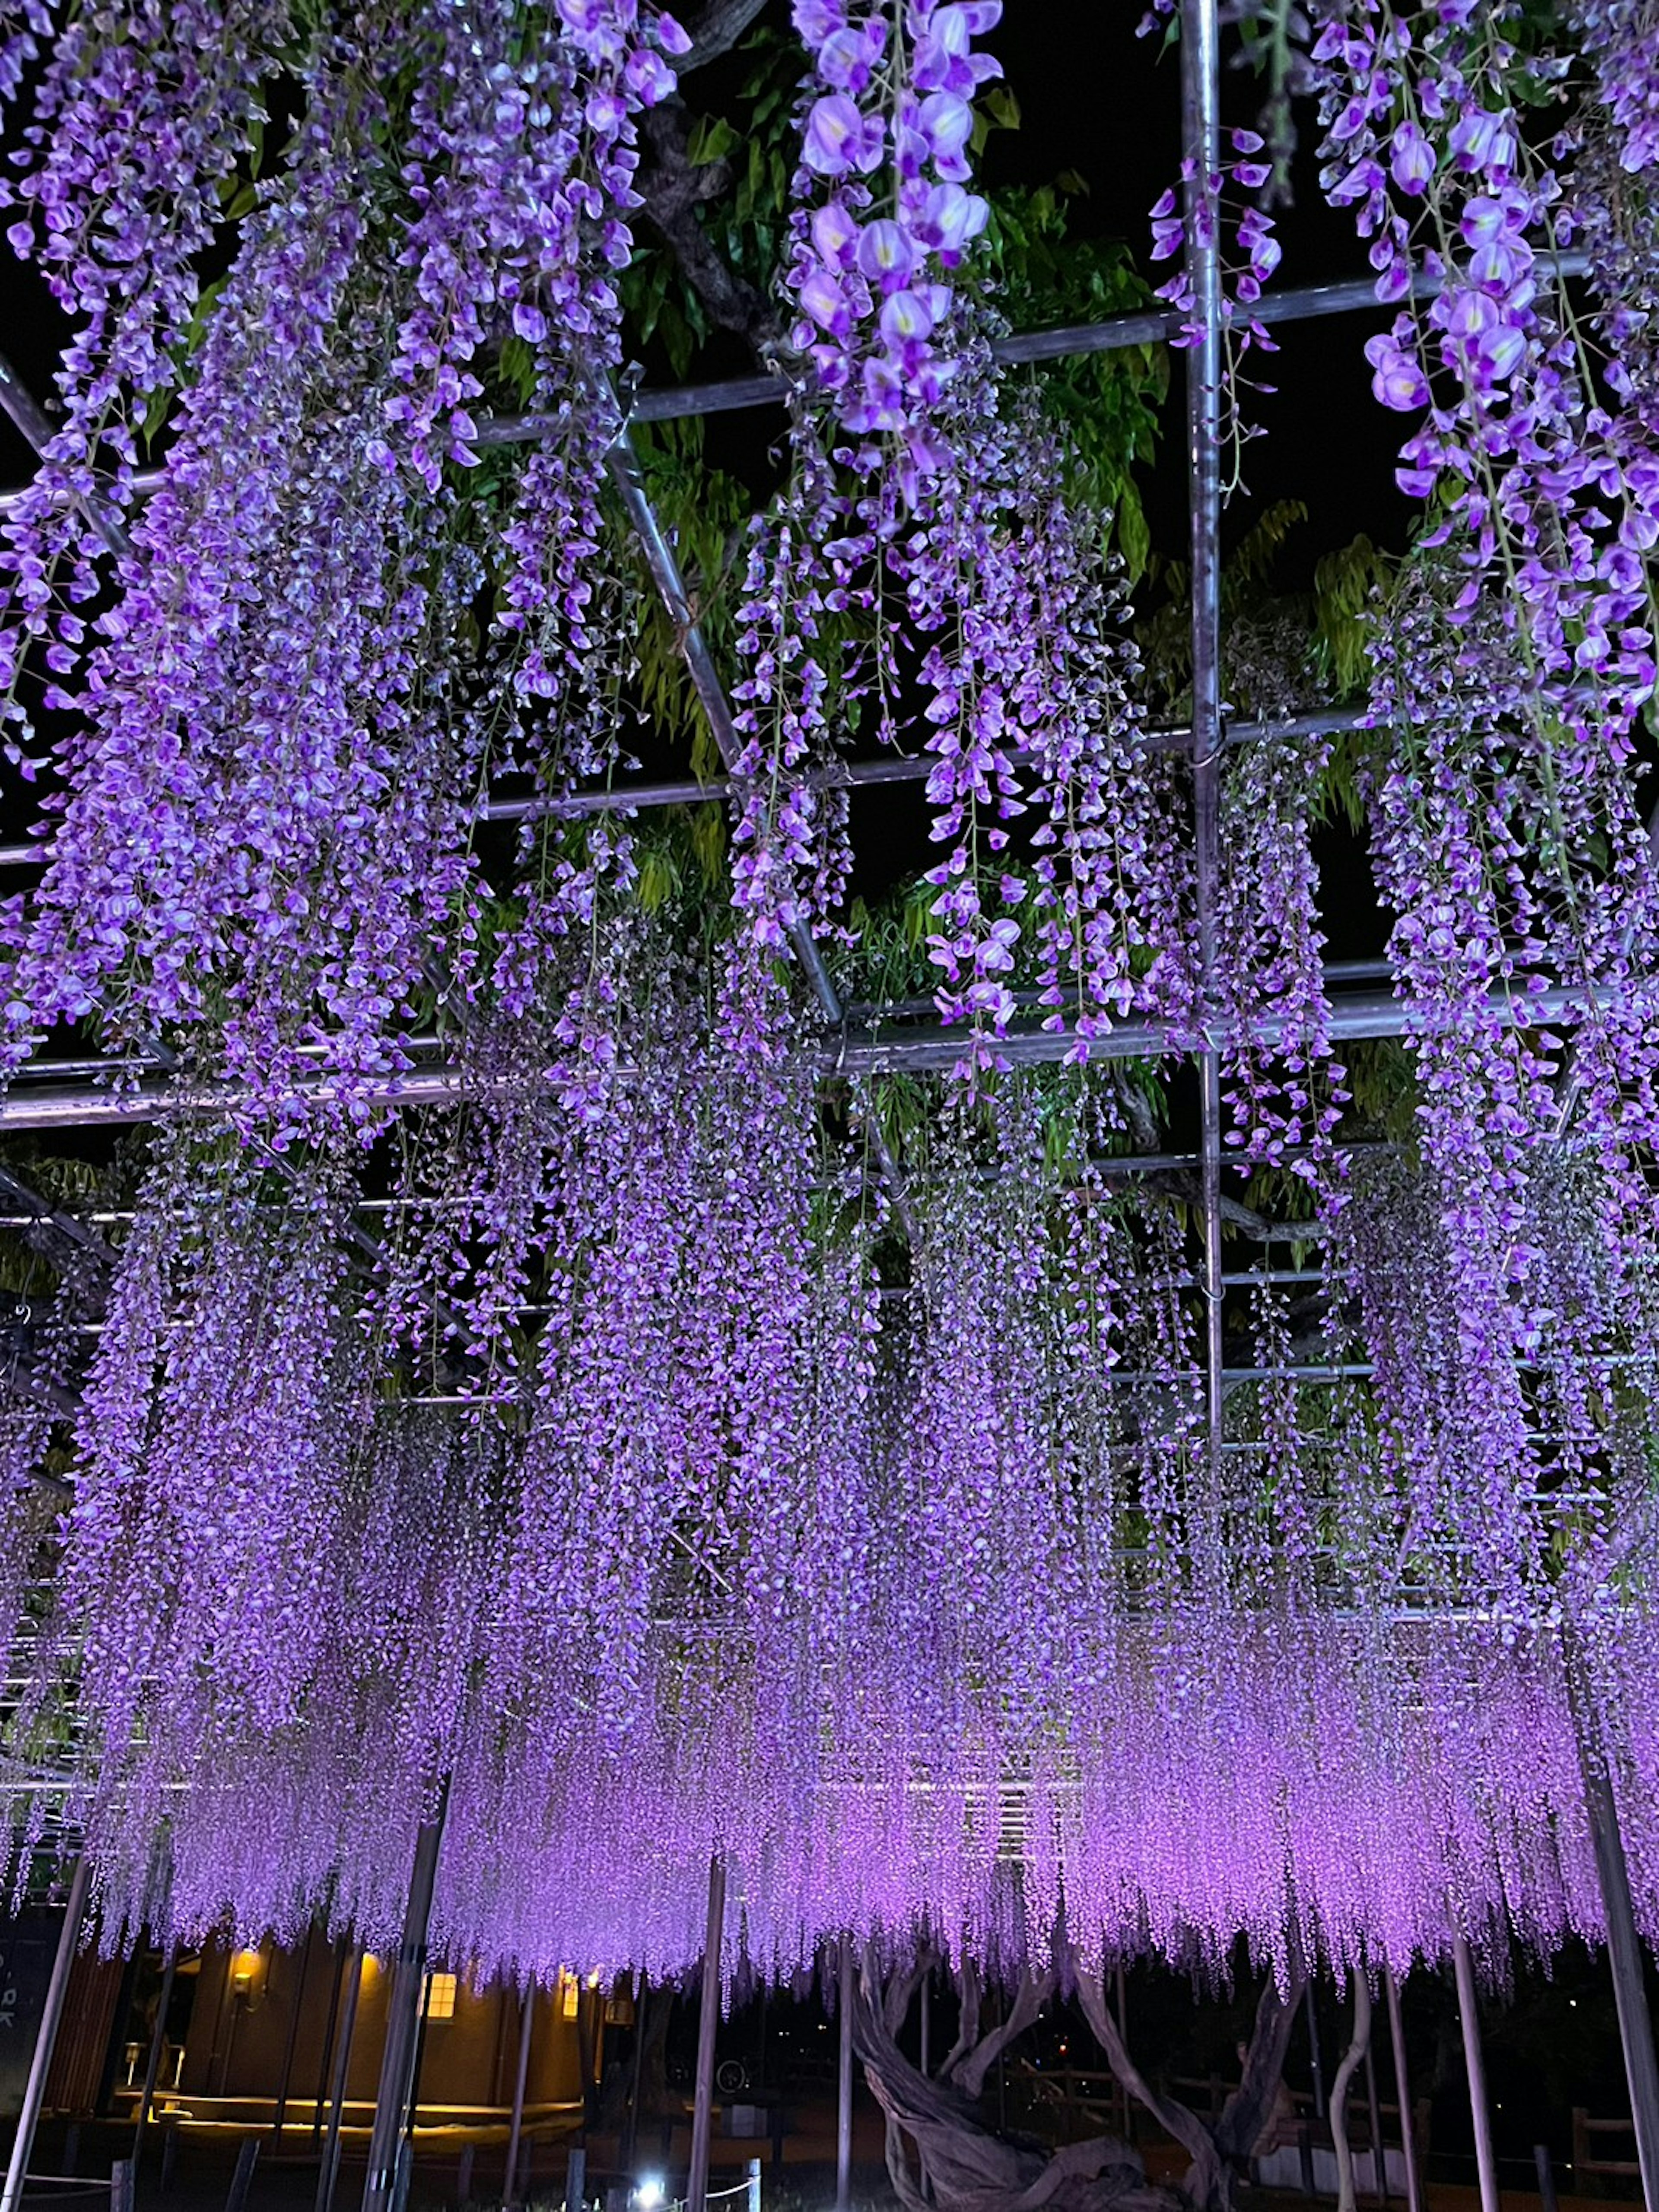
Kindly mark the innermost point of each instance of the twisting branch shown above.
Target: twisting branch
(715, 29)
(964, 2167)
(1213, 2151)
(1033, 1993)
(673, 187)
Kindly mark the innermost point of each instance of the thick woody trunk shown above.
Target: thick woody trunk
(1217, 2154)
(941, 2158)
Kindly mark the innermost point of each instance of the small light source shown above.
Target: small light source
(650, 2194)
(244, 1966)
(570, 1996)
(441, 1996)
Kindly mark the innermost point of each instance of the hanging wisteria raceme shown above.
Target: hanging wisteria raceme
(1248, 252)
(137, 121)
(884, 212)
(1424, 143)
(1285, 1097)
(25, 26)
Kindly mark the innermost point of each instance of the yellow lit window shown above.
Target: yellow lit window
(441, 1996)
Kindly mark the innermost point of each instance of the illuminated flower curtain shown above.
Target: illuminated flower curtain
(615, 1441)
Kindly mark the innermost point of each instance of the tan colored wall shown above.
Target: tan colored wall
(236, 2042)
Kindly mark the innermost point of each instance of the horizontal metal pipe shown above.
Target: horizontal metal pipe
(1112, 333)
(1367, 1014)
(850, 775)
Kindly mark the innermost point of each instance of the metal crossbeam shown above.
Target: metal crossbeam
(858, 1053)
(1110, 334)
(837, 776)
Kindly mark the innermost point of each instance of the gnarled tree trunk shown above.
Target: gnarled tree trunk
(964, 2167)
(1217, 2153)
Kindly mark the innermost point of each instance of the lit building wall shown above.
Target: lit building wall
(245, 2010)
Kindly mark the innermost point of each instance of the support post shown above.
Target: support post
(515, 2133)
(1200, 98)
(45, 2041)
(702, 2108)
(752, 2202)
(844, 2078)
(637, 2073)
(576, 2177)
(153, 2063)
(121, 2185)
(1547, 2199)
(330, 2166)
(926, 2018)
(403, 2019)
(1379, 2162)
(1315, 2063)
(344, 1951)
(285, 2079)
(1402, 2090)
(1624, 1944)
(1485, 2162)
(241, 2181)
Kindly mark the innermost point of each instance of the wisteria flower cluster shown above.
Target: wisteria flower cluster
(886, 211)
(1229, 218)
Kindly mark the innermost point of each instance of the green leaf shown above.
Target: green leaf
(1000, 105)
(711, 139)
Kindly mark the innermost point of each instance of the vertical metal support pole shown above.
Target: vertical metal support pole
(1402, 2090)
(752, 2201)
(1202, 136)
(121, 2185)
(702, 2108)
(153, 2063)
(926, 2019)
(403, 2019)
(515, 2132)
(1485, 2162)
(45, 2040)
(285, 2079)
(844, 2078)
(1315, 2063)
(241, 2181)
(576, 2177)
(343, 1951)
(637, 2073)
(1624, 1944)
(330, 2166)
(1547, 2199)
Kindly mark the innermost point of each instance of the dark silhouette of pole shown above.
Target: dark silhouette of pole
(703, 2106)
(1402, 2090)
(844, 2078)
(330, 2166)
(403, 2020)
(153, 2063)
(1624, 1944)
(636, 2075)
(45, 2040)
(343, 1951)
(285, 2079)
(1485, 2161)
(526, 2013)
